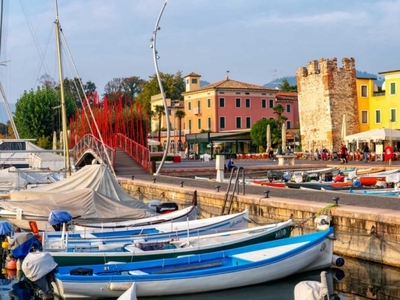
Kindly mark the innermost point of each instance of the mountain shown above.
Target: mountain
(292, 79)
(3, 111)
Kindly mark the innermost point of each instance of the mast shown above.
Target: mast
(63, 107)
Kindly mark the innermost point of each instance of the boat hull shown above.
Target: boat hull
(201, 273)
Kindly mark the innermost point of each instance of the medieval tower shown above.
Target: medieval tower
(327, 98)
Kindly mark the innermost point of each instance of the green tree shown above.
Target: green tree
(159, 111)
(37, 112)
(132, 86)
(279, 110)
(286, 87)
(258, 132)
(180, 114)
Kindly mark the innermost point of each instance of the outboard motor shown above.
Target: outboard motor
(166, 207)
(58, 217)
(23, 244)
(39, 267)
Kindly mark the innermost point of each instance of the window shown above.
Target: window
(271, 103)
(209, 123)
(221, 102)
(364, 117)
(222, 92)
(190, 125)
(221, 122)
(248, 122)
(377, 116)
(247, 102)
(189, 105)
(198, 103)
(169, 111)
(237, 102)
(187, 81)
(199, 124)
(263, 94)
(237, 93)
(393, 88)
(263, 103)
(238, 122)
(208, 102)
(288, 108)
(364, 91)
(393, 115)
(194, 80)
(288, 125)
(247, 93)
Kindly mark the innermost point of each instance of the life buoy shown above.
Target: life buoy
(34, 228)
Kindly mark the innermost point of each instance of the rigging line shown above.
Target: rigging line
(88, 105)
(41, 56)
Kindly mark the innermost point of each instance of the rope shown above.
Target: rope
(318, 213)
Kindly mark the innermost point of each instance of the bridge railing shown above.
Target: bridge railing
(137, 151)
(89, 142)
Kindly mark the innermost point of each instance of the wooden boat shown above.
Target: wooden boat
(372, 179)
(268, 183)
(157, 249)
(196, 273)
(116, 238)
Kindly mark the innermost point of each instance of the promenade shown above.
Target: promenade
(176, 173)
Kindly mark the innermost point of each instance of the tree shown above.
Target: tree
(132, 86)
(36, 114)
(258, 132)
(180, 114)
(113, 88)
(159, 111)
(47, 81)
(279, 110)
(286, 87)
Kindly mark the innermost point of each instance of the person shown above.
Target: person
(316, 154)
(342, 154)
(231, 164)
(366, 152)
(388, 154)
(324, 154)
(279, 150)
(270, 153)
(346, 153)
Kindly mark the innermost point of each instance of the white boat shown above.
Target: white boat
(232, 268)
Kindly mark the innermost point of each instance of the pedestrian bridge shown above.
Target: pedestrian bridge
(123, 155)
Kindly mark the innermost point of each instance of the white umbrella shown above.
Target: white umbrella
(268, 136)
(344, 128)
(283, 137)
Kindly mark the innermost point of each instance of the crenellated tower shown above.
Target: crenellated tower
(326, 92)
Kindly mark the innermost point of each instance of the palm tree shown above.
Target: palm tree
(180, 114)
(159, 111)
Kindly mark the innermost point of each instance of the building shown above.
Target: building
(327, 99)
(231, 106)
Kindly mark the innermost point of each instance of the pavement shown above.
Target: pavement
(184, 171)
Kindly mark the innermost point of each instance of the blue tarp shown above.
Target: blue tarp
(23, 244)
(59, 216)
(5, 228)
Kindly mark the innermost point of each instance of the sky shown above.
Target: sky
(255, 40)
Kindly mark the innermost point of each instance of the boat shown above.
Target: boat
(372, 179)
(111, 239)
(188, 274)
(278, 184)
(184, 245)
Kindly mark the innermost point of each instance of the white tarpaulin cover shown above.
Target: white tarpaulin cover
(95, 177)
(13, 178)
(383, 134)
(86, 203)
(40, 159)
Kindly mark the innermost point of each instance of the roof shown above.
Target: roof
(193, 74)
(231, 84)
(286, 96)
(393, 71)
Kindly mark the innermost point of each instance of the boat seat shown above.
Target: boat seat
(137, 272)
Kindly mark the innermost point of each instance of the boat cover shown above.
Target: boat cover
(23, 243)
(87, 204)
(38, 264)
(95, 177)
(5, 228)
(59, 216)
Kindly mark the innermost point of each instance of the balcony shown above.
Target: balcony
(378, 94)
(196, 111)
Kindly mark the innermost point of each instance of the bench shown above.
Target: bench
(281, 159)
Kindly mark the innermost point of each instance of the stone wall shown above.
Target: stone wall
(366, 233)
(325, 93)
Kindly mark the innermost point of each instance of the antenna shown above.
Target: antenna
(274, 72)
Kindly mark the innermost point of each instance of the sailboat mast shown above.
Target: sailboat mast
(63, 107)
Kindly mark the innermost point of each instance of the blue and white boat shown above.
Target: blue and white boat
(196, 273)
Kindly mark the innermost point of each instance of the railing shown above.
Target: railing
(89, 142)
(135, 150)
(377, 94)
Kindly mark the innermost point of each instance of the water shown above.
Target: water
(362, 280)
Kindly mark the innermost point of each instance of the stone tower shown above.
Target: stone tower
(326, 92)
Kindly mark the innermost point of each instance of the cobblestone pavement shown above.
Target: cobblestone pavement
(176, 173)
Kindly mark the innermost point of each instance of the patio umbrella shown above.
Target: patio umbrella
(283, 137)
(268, 136)
(344, 129)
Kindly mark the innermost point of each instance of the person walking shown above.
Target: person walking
(388, 154)
(365, 152)
(342, 153)
(231, 164)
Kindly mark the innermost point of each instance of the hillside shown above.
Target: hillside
(292, 79)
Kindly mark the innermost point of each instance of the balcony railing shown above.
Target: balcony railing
(377, 94)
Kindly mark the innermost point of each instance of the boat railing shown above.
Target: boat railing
(232, 188)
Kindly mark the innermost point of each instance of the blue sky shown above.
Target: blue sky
(250, 38)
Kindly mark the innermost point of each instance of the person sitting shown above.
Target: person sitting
(231, 164)
(270, 153)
